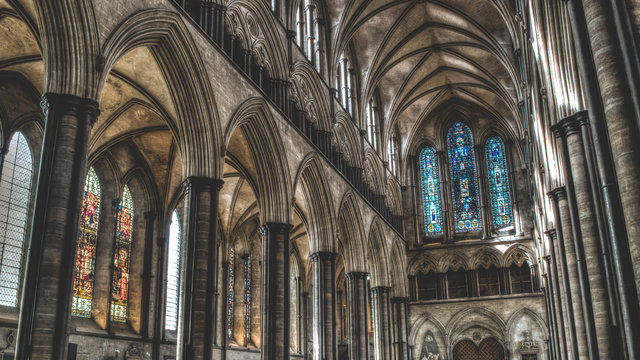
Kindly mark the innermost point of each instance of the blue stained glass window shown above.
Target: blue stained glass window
(464, 187)
(430, 187)
(501, 210)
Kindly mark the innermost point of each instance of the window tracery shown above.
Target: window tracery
(430, 188)
(15, 194)
(464, 188)
(498, 176)
(86, 247)
(173, 273)
(122, 258)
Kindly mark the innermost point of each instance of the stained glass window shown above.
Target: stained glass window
(15, 191)
(430, 187)
(501, 209)
(464, 186)
(293, 283)
(247, 299)
(173, 274)
(86, 249)
(230, 295)
(121, 258)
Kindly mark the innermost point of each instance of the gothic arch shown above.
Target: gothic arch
(485, 257)
(321, 228)
(424, 318)
(377, 258)
(475, 317)
(347, 139)
(254, 119)
(311, 94)
(511, 322)
(455, 260)
(351, 234)
(393, 195)
(261, 31)
(373, 172)
(199, 134)
(423, 263)
(398, 269)
(518, 254)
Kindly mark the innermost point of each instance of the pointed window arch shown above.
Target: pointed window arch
(122, 258)
(464, 186)
(499, 190)
(15, 196)
(86, 249)
(430, 188)
(173, 274)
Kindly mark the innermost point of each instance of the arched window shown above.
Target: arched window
(430, 187)
(499, 191)
(86, 249)
(344, 82)
(122, 258)
(392, 155)
(15, 195)
(300, 26)
(247, 299)
(520, 279)
(230, 291)
(173, 274)
(372, 124)
(464, 188)
(295, 298)
(489, 281)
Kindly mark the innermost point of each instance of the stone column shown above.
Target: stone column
(158, 325)
(276, 311)
(581, 208)
(483, 188)
(551, 294)
(324, 306)
(147, 275)
(197, 319)
(382, 322)
(516, 203)
(399, 314)
(567, 255)
(357, 303)
(445, 193)
(46, 297)
(558, 295)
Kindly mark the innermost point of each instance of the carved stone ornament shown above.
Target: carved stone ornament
(134, 353)
(528, 344)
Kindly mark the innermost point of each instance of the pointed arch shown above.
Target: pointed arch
(164, 32)
(347, 139)
(454, 261)
(351, 234)
(253, 117)
(474, 316)
(524, 311)
(518, 254)
(378, 258)
(398, 269)
(321, 228)
(486, 257)
(374, 173)
(307, 83)
(423, 263)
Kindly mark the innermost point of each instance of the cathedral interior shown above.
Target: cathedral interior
(319, 179)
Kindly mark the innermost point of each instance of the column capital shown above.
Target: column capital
(201, 183)
(357, 275)
(62, 104)
(557, 193)
(323, 255)
(275, 228)
(552, 234)
(381, 289)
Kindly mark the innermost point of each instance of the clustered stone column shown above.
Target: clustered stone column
(46, 297)
(382, 322)
(357, 303)
(276, 300)
(196, 329)
(324, 306)
(399, 313)
(558, 298)
(597, 315)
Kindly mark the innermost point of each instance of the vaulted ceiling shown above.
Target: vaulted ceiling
(415, 56)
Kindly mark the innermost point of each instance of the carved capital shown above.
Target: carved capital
(71, 105)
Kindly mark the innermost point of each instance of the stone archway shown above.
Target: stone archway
(489, 349)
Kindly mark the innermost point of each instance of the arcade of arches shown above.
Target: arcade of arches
(319, 179)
